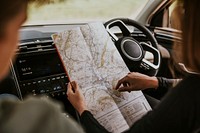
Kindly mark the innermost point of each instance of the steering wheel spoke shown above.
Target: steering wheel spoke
(147, 65)
(156, 64)
(120, 24)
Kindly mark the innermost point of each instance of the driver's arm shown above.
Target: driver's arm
(136, 81)
(167, 83)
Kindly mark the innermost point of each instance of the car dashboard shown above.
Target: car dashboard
(38, 70)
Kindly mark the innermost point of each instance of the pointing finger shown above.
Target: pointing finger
(120, 82)
(122, 89)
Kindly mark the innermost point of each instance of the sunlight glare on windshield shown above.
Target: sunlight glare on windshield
(79, 11)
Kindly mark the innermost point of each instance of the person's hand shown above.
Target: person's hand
(136, 81)
(76, 98)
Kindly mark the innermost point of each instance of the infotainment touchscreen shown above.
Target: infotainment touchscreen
(38, 70)
(38, 65)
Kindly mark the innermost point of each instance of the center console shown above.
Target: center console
(38, 70)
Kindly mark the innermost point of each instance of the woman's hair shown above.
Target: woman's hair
(188, 51)
(10, 8)
(191, 35)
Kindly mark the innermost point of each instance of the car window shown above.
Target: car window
(175, 12)
(169, 16)
(73, 11)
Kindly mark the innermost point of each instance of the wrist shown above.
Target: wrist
(81, 109)
(155, 83)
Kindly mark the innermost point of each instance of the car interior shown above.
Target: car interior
(144, 41)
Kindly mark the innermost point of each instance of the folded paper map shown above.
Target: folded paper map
(91, 58)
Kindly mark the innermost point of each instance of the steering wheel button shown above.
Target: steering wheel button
(59, 87)
(42, 91)
(55, 88)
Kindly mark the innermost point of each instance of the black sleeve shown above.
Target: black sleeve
(167, 83)
(90, 124)
(175, 113)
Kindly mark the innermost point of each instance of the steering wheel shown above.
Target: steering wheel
(133, 51)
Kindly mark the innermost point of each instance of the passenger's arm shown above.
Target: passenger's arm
(90, 124)
(76, 98)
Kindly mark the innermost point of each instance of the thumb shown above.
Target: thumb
(69, 88)
(74, 86)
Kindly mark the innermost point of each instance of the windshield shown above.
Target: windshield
(79, 11)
